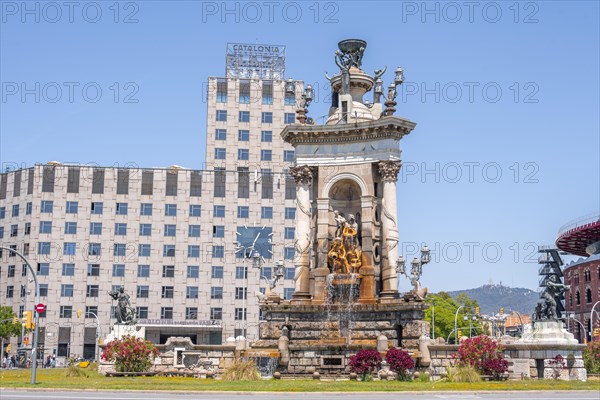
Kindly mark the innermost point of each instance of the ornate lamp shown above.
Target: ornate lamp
(290, 87)
(401, 265)
(308, 95)
(378, 91)
(391, 97)
(425, 254)
(257, 260)
(399, 76)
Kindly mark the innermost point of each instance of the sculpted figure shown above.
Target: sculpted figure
(350, 231)
(124, 313)
(340, 222)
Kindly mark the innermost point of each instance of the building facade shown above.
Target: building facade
(183, 243)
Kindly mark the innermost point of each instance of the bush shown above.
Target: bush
(482, 354)
(242, 370)
(557, 364)
(399, 362)
(462, 373)
(364, 362)
(130, 354)
(591, 356)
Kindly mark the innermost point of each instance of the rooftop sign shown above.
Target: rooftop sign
(261, 61)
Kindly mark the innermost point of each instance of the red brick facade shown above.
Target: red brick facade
(584, 278)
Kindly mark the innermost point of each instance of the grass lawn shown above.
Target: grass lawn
(55, 378)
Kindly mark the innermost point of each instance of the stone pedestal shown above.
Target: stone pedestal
(118, 331)
(551, 332)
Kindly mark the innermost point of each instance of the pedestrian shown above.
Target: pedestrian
(48, 361)
(13, 361)
(53, 363)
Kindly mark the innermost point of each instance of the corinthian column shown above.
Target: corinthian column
(303, 176)
(389, 175)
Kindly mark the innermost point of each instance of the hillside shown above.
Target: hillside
(493, 296)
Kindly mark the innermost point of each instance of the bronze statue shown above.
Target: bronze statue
(124, 313)
(546, 309)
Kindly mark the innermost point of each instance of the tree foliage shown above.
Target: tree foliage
(130, 354)
(7, 326)
(445, 309)
(591, 356)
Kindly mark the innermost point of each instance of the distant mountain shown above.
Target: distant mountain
(493, 296)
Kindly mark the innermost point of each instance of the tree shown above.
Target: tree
(130, 354)
(445, 310)
(8, 326)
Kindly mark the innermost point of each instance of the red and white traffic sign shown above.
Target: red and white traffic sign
(40, 308)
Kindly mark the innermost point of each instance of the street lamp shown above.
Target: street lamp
(572, 316)
(34, 355)
(391, 97)
(416, 269)
(307, 97)
(592, 316)
(98, 335)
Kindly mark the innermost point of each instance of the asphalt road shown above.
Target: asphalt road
(135, 395)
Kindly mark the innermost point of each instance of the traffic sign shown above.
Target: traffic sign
(40, 308)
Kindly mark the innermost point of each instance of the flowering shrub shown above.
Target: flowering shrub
(557, 364)
(399, 362)
(365, 361)
(483, 354)
(591, 356)
(130, 354)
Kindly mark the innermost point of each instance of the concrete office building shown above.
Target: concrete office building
(181, 242)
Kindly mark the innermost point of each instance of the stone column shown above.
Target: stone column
(389, 175)
(303, 176)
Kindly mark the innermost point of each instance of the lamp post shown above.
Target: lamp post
(98, 335)
(572, 316)
(416, 267)
(34, 349)
(456, 323)
(390, 102)
(592, 317)
(433, 318)
(307, 97)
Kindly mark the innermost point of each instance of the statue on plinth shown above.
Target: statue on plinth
(344, 255)
(124, 313)
(546, 308)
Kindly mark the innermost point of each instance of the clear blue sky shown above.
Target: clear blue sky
(541, 133)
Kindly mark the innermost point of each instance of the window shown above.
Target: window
(244, 116)
(240, 314)
(15, 210)
(222, 115)
(266, 117)
(194, 231)
(220, 182)
(290, 233)
(10, 291)
(218, 251)
(91, 311)
(241, 293)
(45, 226)
(243, 182)
(119, 249)
(221, 134)
(243, 135)
(288, 155)
(44, 248)
(123, 181)
(171, 184)
(170, 229)
(191, 312)
(169, 250)
(14, 230)
(68, 269)
(27, 229)
(266, 136)
(70, 228)
(95, 228)
(219, 211)
(94, 249)
(220, 153)
(47, 206)
(588, 295)
(1, 232)
(144, 250)
(244, 91)
(243, 211)
(218, 231)
(43, 290)
(66, 311)
(289, 100)
(168, 271)
(121, 209)
(288, 253)
(288, 293)
(196, 183)
(143, 271)
(145, 229)
(243, 154)
(241, 272)
(93, 270)
(290, 213)
(48, 176)
(118, 270)
(267, 184)
(193, 271)
(148, 184)
(72, 207)
(98, 181)
(221, 90)
(92, 290)
(266, 155)
(216, 292)
(289, 118)
(266, 272)
(11, 271)
(120, 229)
(266, 212)
(170, 210)
(143, 291)
(2, 212)
(267, 92)
(191, 292)
(28, 208)
(195, 210)
(66, 290)
(167, 292)
(69, 248)
(216, 272)
(577, 298)
(142, 312)
(97, 207)
(289, 273)
(193, 251)
(216, 313)
(166, 313)
(146, 209)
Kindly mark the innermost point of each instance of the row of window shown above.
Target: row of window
(244, 154)
(191, 313)
(244, 135)
(588, 297)
(244, 93)
(266, 117)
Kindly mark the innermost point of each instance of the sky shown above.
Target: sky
(505, 96)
